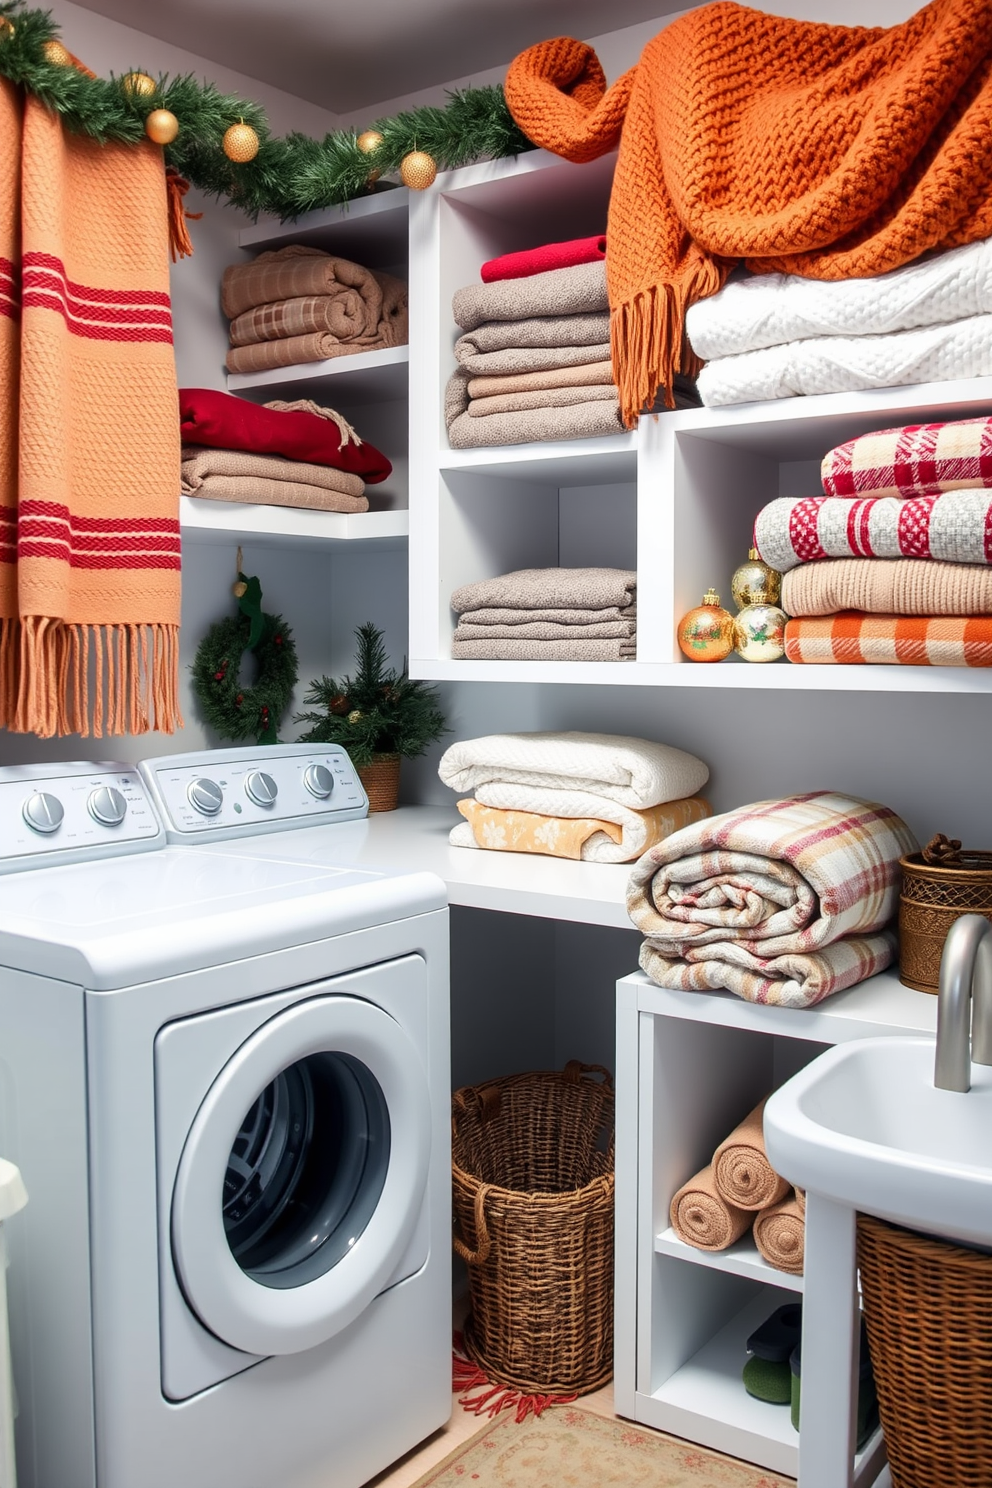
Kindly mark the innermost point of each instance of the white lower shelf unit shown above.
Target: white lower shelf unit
(287, 526)
(689, 1066)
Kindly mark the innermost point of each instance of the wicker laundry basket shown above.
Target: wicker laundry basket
(928, 1309)
(533, 1210)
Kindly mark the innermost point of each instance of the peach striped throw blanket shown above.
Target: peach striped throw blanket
(89, 434)
(781, 902)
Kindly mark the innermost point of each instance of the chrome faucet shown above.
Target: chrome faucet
(964, 1003)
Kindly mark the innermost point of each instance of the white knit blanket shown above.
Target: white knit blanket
(549, 770)
(838, 364)
(772, 309)
(955, 527)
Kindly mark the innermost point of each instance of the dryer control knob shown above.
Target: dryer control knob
(261, 788)
(205, 796)
(107, 806)
(42, 812)
(319, 781)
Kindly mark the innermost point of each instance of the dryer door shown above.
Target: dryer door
(302, 1176)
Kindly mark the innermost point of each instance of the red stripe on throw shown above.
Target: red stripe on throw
(34, 300)
(57, 510)
(61, 553)
(85, 291)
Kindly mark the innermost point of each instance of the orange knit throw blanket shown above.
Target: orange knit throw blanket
(89, 434)
(830, 151)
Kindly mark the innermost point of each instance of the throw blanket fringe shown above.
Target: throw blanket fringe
(647, 339)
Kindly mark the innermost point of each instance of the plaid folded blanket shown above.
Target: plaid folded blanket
(890, 640)
(955, 527)
(918, 460)
(782, 902)
(343, 317)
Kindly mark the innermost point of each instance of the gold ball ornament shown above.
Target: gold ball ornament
(138, 84)
(7, 28)
(755, 583)
(369, 141)
(418, 170)
(354, 715)
(57, 54)
(707, 632)
(240, 143)
(161, 126)
(759, 632)
(240, 589)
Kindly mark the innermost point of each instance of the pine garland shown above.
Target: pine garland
(289, 175)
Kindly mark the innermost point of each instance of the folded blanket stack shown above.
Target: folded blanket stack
(740, 1187)
(781, 902)
(282, 454)
(893, 564)
(300, 304)
(603, 798)
(776, 335)
(548, 614)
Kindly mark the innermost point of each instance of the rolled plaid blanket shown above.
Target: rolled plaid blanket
(891, 640)
(954, 528)
(781, 902)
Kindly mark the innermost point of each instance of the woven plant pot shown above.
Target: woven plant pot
(928, 1310)
(533, 1208)
(932, 898)
(381, 781)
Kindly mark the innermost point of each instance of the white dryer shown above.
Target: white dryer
(225, 1080)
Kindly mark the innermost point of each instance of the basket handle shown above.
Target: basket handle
(483, 1240)
(574, 1069)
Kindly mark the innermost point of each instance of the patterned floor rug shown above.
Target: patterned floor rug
(568, 1445)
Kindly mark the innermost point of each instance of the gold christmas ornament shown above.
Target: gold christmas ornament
(759, 632)
(161, 126)
(755, 583)
(57, 54)
(354, 715)
(241, 143)
(7, 28)
(240, 589)
(369, 141)
(418, 170)
(707, 632)
(138, 84)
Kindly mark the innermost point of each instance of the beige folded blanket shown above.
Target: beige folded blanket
(741, 1170)
(589, 374)
(887, 586)
(498, 616)
(571, 650)
(573, 291)
(560, 397)
(780, 1235)
(545, 630)
(255, 490)
(344, 316)
(294, 272)
(532, 425)
(702, 1218)
(200, 461)
(548, 588)
(544, 330)
(517, 361)
(606, 833)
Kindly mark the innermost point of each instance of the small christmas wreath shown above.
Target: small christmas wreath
(233, 710)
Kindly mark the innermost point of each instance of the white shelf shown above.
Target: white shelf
(287, 526)
(740, 1259)
(367, 377)
(566, 462)
(371, 231)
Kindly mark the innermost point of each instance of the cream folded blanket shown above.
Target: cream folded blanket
(549, 588)
(544, 330)
(702, 1217)
(741, 1170)
(573, 291)
(782, 901)
(771, 309)
(200, 461)
(498, 616)
(887, 586)
(613, 834)
(559, 768)
(590, 374)
(560, 397)
(514, 649)
(518, 361)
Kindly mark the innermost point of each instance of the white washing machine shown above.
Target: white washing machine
(225, 1078)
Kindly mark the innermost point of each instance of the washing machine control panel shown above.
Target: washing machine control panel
(225, 793)
(66, 813)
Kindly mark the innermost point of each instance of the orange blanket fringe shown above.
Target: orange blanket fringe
(89, 434)
(833, 152)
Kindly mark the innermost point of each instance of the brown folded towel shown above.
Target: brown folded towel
(560, 397)
(255, 490)
(702, 1218)
(561, 368)
(580, 290)
(345, 316)
(742, 1172)
(543, 588)
(496, 615)
(544, 630)
(780, 1235)
(570, 650)
(541, 330)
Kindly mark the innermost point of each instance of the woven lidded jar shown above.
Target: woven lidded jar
(939, 884)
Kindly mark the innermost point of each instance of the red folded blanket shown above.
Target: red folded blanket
(225, 422)
(890, 640)
(540, 260)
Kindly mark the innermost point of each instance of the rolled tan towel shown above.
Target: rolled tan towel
(780, 1235)
(702, 1218)
(801, 1201)
(742, 1172)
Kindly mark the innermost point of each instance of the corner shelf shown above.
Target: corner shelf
(206, 521)
(367, 377)
(371, 230)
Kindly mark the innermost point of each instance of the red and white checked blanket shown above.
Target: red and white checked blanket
(890, 640)
(918, 460)
(781, 902)
(955, 527)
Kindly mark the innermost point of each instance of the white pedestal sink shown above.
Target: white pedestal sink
(863, 1128)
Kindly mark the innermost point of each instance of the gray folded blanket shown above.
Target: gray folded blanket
(495, 615)
(549, 589)
(543, 630)
(542, 330)
(515, 360)
(570, 650)
(574, 291)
